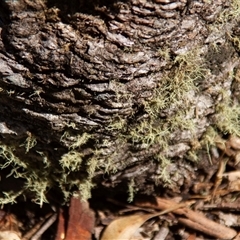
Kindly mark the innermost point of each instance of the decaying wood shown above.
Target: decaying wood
(79, 79)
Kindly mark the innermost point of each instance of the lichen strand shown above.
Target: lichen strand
(228, 115)
(171, 108)
(35, 173)
(115, 100)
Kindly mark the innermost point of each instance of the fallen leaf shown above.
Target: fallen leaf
(9, 235)
(124, 228)
(234, 186)
(237, 237)
(234, 142)
(9, 227)
(232, 176)
(80, 224)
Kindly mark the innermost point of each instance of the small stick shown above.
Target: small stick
(197, 219)
(60, 234)
(34, 229)
(44, 227)
(219, 175)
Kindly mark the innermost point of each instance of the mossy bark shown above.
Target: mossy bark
(117, 94)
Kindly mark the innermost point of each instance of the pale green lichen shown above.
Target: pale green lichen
(71, 160)
(231, 13)
(228, 115)
(164, 176)
(131, 190)
(172, 93)
(80, 140)
(7, 153)
(30, 142)
(10, 197)
(85, 188)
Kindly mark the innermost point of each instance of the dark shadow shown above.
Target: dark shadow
(4, 14)
(83, 6)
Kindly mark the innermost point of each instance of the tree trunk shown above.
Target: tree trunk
(126, 96)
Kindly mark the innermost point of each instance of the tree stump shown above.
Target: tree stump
(122, 96)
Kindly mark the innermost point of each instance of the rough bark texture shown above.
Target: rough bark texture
(119, 94)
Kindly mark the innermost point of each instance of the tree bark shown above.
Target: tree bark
(120, 95)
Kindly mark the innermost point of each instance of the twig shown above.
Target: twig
(162, 233)
(44, 227)
(196, 219)
(128, 206)
(33, 230)
(60, 235)
(223, 206)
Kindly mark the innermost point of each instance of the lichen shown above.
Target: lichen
(157, 121)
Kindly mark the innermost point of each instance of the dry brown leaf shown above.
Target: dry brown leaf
(9, 227)
(232, 176)
(9, 235)
(80, 224)
(237, 158)
(234, 186)
(125, 227)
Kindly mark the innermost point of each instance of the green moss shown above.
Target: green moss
(172, 92)
(36, 180)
